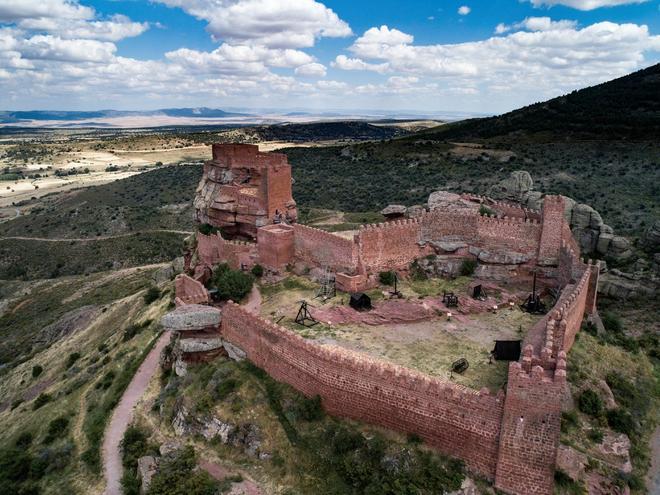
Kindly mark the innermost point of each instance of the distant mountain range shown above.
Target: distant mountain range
(627, 108)
(10, 117)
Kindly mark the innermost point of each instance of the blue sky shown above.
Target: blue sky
(478, 56)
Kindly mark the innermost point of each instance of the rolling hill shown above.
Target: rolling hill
(627, 108)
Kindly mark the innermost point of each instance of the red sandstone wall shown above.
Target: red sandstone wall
(551, 237)
(213, 250)
(456, 420)
(390, 245)
(189, 291)
(530, 431)
(323, 249)
(438, 224)
(278, 192)
(509, 234)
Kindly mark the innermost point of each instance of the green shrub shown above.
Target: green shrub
(57, 428)
(308, 409)
(37, 370)
(178, 474)
(485, 211)
(133, 446)
(231, 284)
(468, 266)
(566, 485)
(41, 401)
(416, 272)
(621, 421)
(207, 229)
(612, 322)
(225, 388)
(387, 278)
(23, 440)
(257, 271)
(596, 435)
(569, 420)
(73, 357)
(590, 403)
(152, 294)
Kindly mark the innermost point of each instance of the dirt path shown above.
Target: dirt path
(123, 415)
(99, 238)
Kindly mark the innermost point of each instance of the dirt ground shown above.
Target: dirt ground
(414, 332)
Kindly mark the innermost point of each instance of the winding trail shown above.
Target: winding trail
(92, 239)
(123, 415)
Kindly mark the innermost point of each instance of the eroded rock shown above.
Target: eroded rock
(191, 317)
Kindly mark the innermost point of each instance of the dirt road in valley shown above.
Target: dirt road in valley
(123, 415)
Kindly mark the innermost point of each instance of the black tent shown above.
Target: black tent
(360, 301)
(507, 350)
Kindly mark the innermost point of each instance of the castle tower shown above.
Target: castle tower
(243, 189)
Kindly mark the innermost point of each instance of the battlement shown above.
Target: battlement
(317, 247)
(246, 156)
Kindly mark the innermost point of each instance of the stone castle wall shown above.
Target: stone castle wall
(456, 420)
(213, 250)
(391, 245)
(323, 249)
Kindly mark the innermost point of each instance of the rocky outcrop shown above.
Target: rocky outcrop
(440, 266)
(394, 211)
(147, 467)
(621, 285)
(516, 187)
(499, 258)
(651, 239)
(244, 436)
(592, 234)
(191, 317)
(448, 201)
(571, 462)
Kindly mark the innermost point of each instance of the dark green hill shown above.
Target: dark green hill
(321, 131)
(627, 108)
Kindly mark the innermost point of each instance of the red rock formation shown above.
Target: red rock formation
(243, 189)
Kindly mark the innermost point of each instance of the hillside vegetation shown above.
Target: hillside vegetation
(627, 108)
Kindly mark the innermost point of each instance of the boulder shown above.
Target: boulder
(415, 211)
(394, 211)
(163, 274)
(619, 285)
(571, 462)
(448, 201)
(503, 258)
(191, 317)
(605, 394)
(169, 448)
(619, 247)
(440, 266)
(448, 245)
(515, 187)
(533, 200)
(147, 467)
(615, 448)
(234, 352)
(199, 344)
(651, 239)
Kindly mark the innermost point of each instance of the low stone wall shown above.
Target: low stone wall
(213, 249)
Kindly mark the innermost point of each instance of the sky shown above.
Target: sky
(483, 56)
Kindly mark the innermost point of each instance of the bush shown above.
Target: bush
(308, 409)
(596, 435)
(56, 429)
(257, 271)
(178, 475)
(37, 370)
(207, 229)
(73, 357)
(225, 388)
(41, 401)
(485, 211)
(612, 322)
(23, 440)
(153, 294)
(590, 403)
(387, 278)
(621, 421)
(468, 266)
(231, 284)
(133, 446)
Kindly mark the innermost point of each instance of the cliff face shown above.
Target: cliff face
(243, 189)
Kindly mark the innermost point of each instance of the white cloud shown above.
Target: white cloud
(117, 28)
(537, 24)
(14, 10)
(273, 23)
(464, 10)
(313, 69)
(584, 4)
(47, 47)
(345, 63)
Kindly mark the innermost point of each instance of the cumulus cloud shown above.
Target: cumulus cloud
(464, 10)
(115, 29)
(538, 56)
(584, 4)
(345, 63)
(273, 23)
(14, 10)
(313, 69)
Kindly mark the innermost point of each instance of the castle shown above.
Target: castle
(510, 437)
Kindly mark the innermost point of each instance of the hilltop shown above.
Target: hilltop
(627, 108)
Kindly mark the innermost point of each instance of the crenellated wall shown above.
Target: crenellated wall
(391, 245)
(213, 249)
(509, 234)
(458, 421)
(324, 249)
